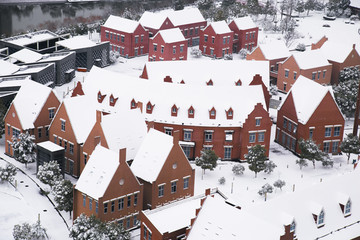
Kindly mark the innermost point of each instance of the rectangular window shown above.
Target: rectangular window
(196, 31)
(211, 52)
(246, 36)
(85, 158)
(136, 39)
(313, 76)
(90, 203)
(186, 182)
(161, 191)
(122, 38)
(47, 131)
(213, 39)
(162, 49)
(135, 199)
(129, 201)
(142, 38)
(8, 129)
(324, 74)
(337, 131)
(285, 123)
(84, 201)
(208, 136)
(224, 40)
(185, 32)
(120, 204)
(136, 52)
(205, 38)
(293, 144)
(335, 146)
(261, 136)
(252, 137)
(289, 126)
(284, 88)
(227, 153)
(135, 221)
(311, 133)
(191, 32)
(173, 186)
(128, 222)
(187, 151)
(155, 47)
(107, 35)
(145, 233)
(112, 206)
(60, 141)
(319, 73)
(55, 139)
(295, 128)
(96, 207)
(187, 135)
(51, 113)
(65, 145)
(62, 125)
(228, 40)
(228, 136)
(328, 132)
(294, 75)
(257, 121)
(326, 147)
(118, 38)
(174, 49)
(286, 73)
(71, 148)
(39, 132)
(150, 235)
(181, 48)
(168, 131)
(105, 208)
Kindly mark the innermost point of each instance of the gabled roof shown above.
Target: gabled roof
(307, 95)
(82, 115)
(29, 101)
(218, 220)
(336, 52)
(171, 35)
(152, 20)
(26, 56)
(121, 24)
(244, 23)
(98, 172)
(220, 27)
(124, 129)
(7, 68)
(76, 42)
(310, 59)
(152, 155)
(355, 4)
(274, 50)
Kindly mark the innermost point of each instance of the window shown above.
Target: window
(47, 131)
(294, 75)
(321, 218)
(149, 236)
(135, 221)
(246, 36)
(285, 123)
(135, 199)
(186, 182)
(223, 52)
(51, 113)
(168, 131)
(155, 47)
(253, 34)
(334, 148)
(15, 132)
(181, 48)
(145, 232)
(142, 38)
(185, 32)
(261, 136)
(311, 133)
(208, 136)
(213, 39)
(289, 126)
(187, 151)
(230, 113)
(148, 106)
(118, 38)
(212, 112)
(161, 191)
(128, 222)
(65, 145)
(284, 88)
(252, 137)
(224, 40)
(227, 153)
(337, 131)
(187, 135)
(8, 129)
(39, 132)
(105, 207)
(107, 35)
(60, 141)
(324, 74)
(228, 39)
(55, 139)
(84, 201)
(196, 31)
(295, 128)
(112, 206)
(191, 31)
(111, 35)
(129, 201)
(120, 204)
(257, 121)
(211, 51)
(292, 226)
(228, 136)
(174, 49)
(173, 186)
(96, 207)
(62, 125)
(286, 73)
(327, 131)
(71, 148)
(136, 39)
(347, 209)
(326, 147)
(122, 38)
(205, 38)
(313, 76)
(85, 158)
(135, 53)
(319, 73)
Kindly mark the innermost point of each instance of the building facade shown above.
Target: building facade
(245, 34)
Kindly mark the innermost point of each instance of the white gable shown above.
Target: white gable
(244, 23)
(186, 16)
(98, 172)
(121, 24)
(26, 56)
(171, 35)
(220, 27)
(76, 43)
(311, 59)
(152, 20)
(274, 50)
(152, 155)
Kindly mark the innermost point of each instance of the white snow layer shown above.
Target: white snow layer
(76, 43)
(220, 27)
(26, 56)
(171, 35)
(244, 23)
(121, 24)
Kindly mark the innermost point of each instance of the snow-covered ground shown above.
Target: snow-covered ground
(25, 202)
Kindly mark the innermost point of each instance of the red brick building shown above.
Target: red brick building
(70, 127)
(32, 110)
(108, 189)
(189, 20)
(274, 52)
(340, 55)
(162, 167)
(245, 34)
(310, 64)
(127, 37)
(168, 45)
(309, 111)
(216, 40)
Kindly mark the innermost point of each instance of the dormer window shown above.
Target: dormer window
(229, 113)
(168, 79)
(347, 210)
(210, 83)
(212, 113)
(191, 112)
(321, 219)
(149, 107)
(174, 111)
(292, 226)
(133, 104)
(238, 83)
(112, 100)
(100, 97)
(182, 82)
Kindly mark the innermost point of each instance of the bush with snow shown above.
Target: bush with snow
(238, 169)
(327, 162)
(63, 195)
(222, 180)
(243, 53)
(114, 55)
(301, 47)
(228, 57)
(256, 158)
(26, 231)
(49, 173)
(265, 189)
(269, 166)
(302, 163)
(7, 173)
(207, 160)
(273, 90)
(279, 184)
(24, 148)
(196, 53)
(310, 151)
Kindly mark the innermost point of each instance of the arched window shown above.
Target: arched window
(321, 218)
(347, 210)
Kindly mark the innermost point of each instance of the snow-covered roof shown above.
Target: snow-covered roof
(82, 115)
(152, 20)
(221, 72)
(76, 42)
(152, 155)
(355, 4)
(274, 50)
(98, 172)
(121, 24)
(302, 204)
(336, 52)
(28, 106)
(26, 56)
(220, 27)
(244, 23)
(124, 129)
(55, 56)
(171, 35)
(242, 100)
(29, 38)
(7, 68)
(50, 146)
(218, 220)
(307, 95)
(310, 59)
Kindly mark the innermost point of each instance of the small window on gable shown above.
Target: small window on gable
(191, 112)
(100, 97)
(229, 113)
(238, 83)
(293, 226)
(320, 219)
(212, 113)
(168, 79)
(133, 104)
(210, 83)
(174, 110)
(347, 210)
(182, 82)
(149, 107)
(112, 100)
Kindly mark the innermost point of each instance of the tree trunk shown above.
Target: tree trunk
(348, 158)
(314, 163)
(255, 174)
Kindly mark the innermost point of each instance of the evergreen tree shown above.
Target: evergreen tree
(300, 7)
(178, 4)
(269, 166)
(49, 173)
(24, 148)
(26, 231)
(256, 158)
(222, 180)
(310, 151)
(238, 169)
(349, 73)
(327, 162)
(63, 195)
(350, 144)
(345, 95)
(227, 3)
(207, 160)
(309, 5)
(279, 184)
(8, 173)
(3, 110)
(253, 7)
(301, 162)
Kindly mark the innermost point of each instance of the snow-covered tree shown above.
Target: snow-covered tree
(338, 6)
(26, 231)
(279, 184)
(265, 189)
(349, 73)
(301, 162)
(351, 144)
(310, 5)
(238, 169)
(300, 7)
(300, 47)
(243, 53)
(24, 148)
(178, 4)
(49, 173)
(63, 195)
(310, 151)
(2, 116)
(269, 166)
(256, 158)
(114, 56)
(345, 96)
(195, 52)
(7, 173)
(228, 57)
(268, 9)
(327, 162)
(114, 231)
(222, 180)
(207, 160)
(273, 90)
(227, 3)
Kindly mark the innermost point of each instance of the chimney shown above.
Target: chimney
(122, 155)
(354, 45)
(98, 116)
(176, 137)
(150, 125)
(207, 192)
(140, 106)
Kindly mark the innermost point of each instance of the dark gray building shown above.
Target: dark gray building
(48, 151)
